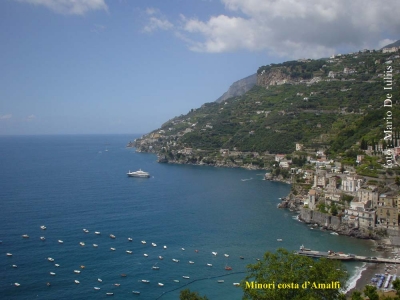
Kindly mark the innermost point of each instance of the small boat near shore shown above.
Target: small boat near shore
(25, 236)
(97, 232)
(82, 244)
(136, 292)
(43, 227)
(185, 277)
(129, 251)
(42, 238)
(112, 236)
(154, 244)
(85, 230)
(143, 242)
(214, 253)
(9, 254)
(175, 260)
(145, 281)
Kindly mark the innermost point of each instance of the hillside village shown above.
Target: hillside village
(316, 124)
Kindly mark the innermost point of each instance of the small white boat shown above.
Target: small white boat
(220, 281)
(56, 265)
(76, 281)
(50, 259)
(154, 244)
(214, 253)
(117, 284)
(160, 284)
(82, 244)
(97, 232)
(42, 238)
(136, 292)
(52, 274)
(61, 241)
(279, 240)
(95, 245)
(112, 249)
(209, 265)
(85, 230)
(176, 280)
(25, 236)
(129, 251)
(145, 281)
(17, 284)
(14, 266)
(160, 257)
(96, 288)
(8, 254)
(155, 267)
(334, 233)
(226, 255)
(191, 262)
(112, 236)
(186, 277)
(77, 271)
(43, 227)
(99, 280)
(143, 242)
(165, 247)
(130, 239)
(236, 284)
(145, 255)
(110, 294)
(183, 249)
(175, 260)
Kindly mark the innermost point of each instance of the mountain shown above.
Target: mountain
(334, 104)
(395, 44)
(239, 88)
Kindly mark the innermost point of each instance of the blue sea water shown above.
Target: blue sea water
(72, 182)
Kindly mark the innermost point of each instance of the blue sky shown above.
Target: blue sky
(127, 66)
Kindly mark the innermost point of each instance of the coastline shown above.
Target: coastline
(367, 272)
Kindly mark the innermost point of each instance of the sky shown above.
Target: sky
(128, 66)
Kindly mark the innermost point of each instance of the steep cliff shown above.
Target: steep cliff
(239, 88)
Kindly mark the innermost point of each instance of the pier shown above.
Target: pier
(346, 257)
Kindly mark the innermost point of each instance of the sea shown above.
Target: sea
(68, 183)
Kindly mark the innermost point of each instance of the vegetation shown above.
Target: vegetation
(320, 106)
(188, 295)
(287, 274)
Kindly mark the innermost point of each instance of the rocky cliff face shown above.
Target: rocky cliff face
(239, 88)
(273, 77)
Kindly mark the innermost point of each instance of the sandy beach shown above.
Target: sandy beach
(371, 269)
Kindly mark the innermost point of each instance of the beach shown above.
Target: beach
(369, 270)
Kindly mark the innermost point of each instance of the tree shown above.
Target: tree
(356, 295)
(284, 275)
(188, 295)
(371, 292)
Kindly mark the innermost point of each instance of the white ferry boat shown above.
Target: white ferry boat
(139, 173)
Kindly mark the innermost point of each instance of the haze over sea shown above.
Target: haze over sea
(72, 182)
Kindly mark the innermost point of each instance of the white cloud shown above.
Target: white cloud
(5, 117)
(156, 21)
(293, 28)
(31, 118)
(72, 7)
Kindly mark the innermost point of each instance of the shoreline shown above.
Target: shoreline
(367, 272)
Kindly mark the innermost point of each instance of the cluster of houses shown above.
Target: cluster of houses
(362, 207)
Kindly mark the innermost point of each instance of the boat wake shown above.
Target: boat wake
(355, 277)
(246, 179)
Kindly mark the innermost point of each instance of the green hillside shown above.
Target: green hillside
(333, 104)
